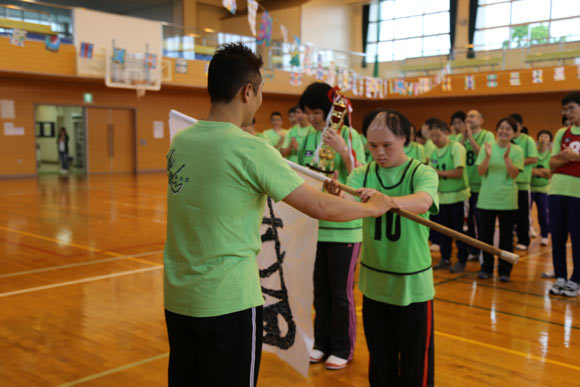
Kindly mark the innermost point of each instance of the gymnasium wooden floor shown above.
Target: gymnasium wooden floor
(81, 300)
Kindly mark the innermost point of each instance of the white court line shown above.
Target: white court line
(89, 279)
(114, 370)
(84, 263)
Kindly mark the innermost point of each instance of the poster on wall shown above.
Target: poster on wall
(7, 109)
(158, 129)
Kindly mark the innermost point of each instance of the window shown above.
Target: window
(401, 29)
(522, 23)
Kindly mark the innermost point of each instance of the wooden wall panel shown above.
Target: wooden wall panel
(34, 58)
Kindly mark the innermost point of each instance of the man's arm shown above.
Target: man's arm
(324, 206)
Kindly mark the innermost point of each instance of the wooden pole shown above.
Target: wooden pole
(505, 255)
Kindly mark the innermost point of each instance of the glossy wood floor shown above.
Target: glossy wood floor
(81, 300)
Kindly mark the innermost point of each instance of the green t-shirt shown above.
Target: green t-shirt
(345, 232)
(448, 158)
(416, 151)
(480, 138)
(219, 179)
(392, 245)
(528, 145)
(540, 184)
(453, 137)
(428, 148)
(299, 133)
(272, 137)
(498, 190)
(564, 185)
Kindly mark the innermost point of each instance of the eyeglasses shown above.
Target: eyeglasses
(569, 108)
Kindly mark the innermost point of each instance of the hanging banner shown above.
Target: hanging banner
(295, 79)
(538, 76)
(446, 84)
(18, 37)
(491, 80)
(181, 66)
(284, 32)
(559, 74)
(469, 82)
(295, 59)
(515, 78)
(230, 5)
(252, 10)
(52, 43)
(265, 34)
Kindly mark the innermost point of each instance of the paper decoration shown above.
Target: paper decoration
(295, 60)
(446, 84)
(230, 5)
(538, 76)
(399, 86)
(284, 32)
(18, 37)
(344, 79)
(86, 50)
(52, 43)
(357, 83)
(391, 85)
(7, 109)
(515, 78)
(331, 80)
(296, 78)
(559, 74)
(319, 69)
(119, 55)
(491, 80)
(252, 9)
(181, 65)
(425, 85)
(307, 65)
(150, 61)
(369, 87)
(158, 129)
(265, 34)
(268, 75)
(469, 82)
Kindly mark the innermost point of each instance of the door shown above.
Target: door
(111, 140)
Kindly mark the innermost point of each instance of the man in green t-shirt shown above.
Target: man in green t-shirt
(219, 179)
(473, 139)
(564, 198)
(275, 136)
(448, 160)
(296, 135)
(524, 181)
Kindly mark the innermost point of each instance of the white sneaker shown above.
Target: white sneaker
(519, 246)
(544, 242)
(571, 289)
(316, 356)
(335, 363)
(435, 247)
(558, 286)
(533, 232)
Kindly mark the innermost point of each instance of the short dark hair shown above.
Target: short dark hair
(436, 123)
(397, 123)
(525, 130)
(564, 119)
(232, 66)
(510, 120)
(293, 109)
(517, 118)
(316, 97)
(368, 119)
(275, 114)
(571, 97)
(458, 114)
(545, 132)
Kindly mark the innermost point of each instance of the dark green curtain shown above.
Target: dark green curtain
(472, 20)
(452, 24)
(365, 31)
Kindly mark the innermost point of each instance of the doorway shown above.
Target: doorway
(52, 150)
(111, 140)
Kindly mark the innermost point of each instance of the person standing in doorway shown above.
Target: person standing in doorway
(62, 143)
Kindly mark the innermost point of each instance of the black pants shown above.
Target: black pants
(565, 219)
(451, 215)
(523, 218)
(473, 221)
(506, 238)
(335, 321)
(400, 343)
(215, 351)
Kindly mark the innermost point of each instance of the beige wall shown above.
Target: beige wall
(327, 24)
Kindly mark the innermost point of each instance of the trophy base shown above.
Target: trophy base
(317, 169)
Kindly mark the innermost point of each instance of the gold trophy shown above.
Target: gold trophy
(325, 161)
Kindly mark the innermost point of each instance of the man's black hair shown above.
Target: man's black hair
(458, 114)
(511, 121)
(293, 109)
(233, 65)
(436, 123)
(564, 119)
(275, 114)
(396, 122)
(545, 132)
(571, 97)
(525, 130)
(316, 97)
(517, 117)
